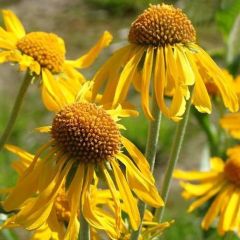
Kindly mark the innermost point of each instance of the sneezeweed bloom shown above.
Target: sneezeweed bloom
(85, 141)
(162, 46)
(42, 53)
(220, 188)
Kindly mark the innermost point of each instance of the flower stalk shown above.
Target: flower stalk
(84, 233)
(150, 154)
(174, 156)
(16, 109)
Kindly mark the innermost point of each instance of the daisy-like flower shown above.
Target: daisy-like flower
(43, 53)
(220, 185)
(85, 141)
(162, 47)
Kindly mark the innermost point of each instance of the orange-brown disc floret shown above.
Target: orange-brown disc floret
(45, 48)
(160, 25)
(232, 170)
(86, 133)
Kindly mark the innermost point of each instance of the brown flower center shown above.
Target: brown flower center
(86, 132)
(232, 169)
(160, 25)
(45, 48)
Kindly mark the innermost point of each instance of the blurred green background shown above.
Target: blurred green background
(80, 23)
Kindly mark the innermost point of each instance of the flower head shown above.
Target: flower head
(221, 186)
(84, 142)
(162, 48)
(44, 54)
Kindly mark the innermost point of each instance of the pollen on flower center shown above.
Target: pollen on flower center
(232, 170)
(45, 48)
(160, 25)
(86, 132)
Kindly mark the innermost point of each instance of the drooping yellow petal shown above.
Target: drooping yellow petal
(144, 189)
(146, 78)
(127, 197)
(13, 24)
(110, 69)
(201, 99)
(177, 107)
(184, 67)
(126, 75)
(114, 194)
(74, 196)
(138, 158)
(87, 59)
(36, 211)
(227, 92)
(51, 92)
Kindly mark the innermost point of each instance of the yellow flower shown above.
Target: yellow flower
(220, 186)
(43, 53)
(85, 142)
(162, 47)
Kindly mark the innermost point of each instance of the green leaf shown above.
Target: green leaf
(226, 16)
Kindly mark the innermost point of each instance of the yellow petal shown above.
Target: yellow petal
(87, 59)
(144, 189)
(74, 196)
(146, 78)
(126, 75)
(110, 70)
(206, 197)
(114, 194)
(227, 92)
(13, 24)
(138, 158)
(230, 210)
(51, 92)
(215, 208)
(127, 197)
(177, 106)
(195, 175)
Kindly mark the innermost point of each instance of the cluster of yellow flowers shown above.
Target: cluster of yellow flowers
(87, 172)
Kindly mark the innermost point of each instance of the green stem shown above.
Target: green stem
(174, 156)
(229, 236)
(84, 233)
(150, 154)
(15, 110)
(204, 122)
